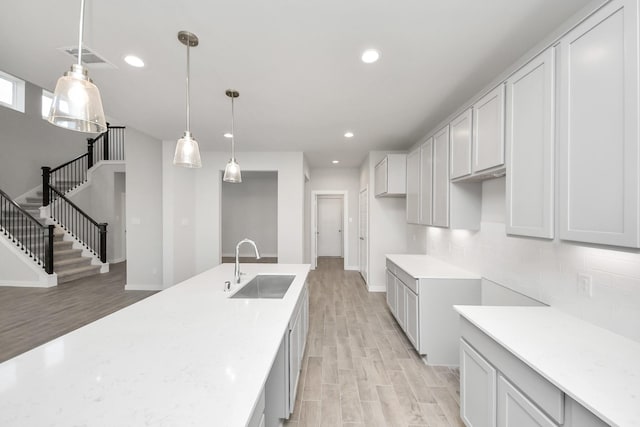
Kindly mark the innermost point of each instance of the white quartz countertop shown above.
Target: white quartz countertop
(428, 267)
(186, 356)
(597, 368)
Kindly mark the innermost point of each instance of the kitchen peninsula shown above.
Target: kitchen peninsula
(189, 355)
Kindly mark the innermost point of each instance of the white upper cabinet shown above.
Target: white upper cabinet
(391, 176)
(598, 128)
(488, 130)
(426, 182)
(413, 186)
(530, 148)
(441, 178)
(461, 141)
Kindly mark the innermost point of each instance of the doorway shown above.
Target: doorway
(329, 227)
(364, 233)
(329, 233)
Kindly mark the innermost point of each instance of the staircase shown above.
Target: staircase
(68, 263)
(52, 246)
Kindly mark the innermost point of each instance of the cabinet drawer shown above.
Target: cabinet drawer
(548, 397)
(409, 281)
(515, 410)
(391, 267)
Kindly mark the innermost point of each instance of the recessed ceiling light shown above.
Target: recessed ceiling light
(370, 56)
(348, 135)
(335, 162)
(227, 135)
(134, 61)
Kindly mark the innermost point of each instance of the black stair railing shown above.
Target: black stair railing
(108, 145)
(89, 232)
(35, 239)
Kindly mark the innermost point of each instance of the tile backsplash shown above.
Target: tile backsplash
(546, 270)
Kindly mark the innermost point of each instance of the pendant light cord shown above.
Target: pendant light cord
(80, 31)
(233, 132)
(188, 87)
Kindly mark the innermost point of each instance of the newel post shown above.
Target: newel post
(46, 176)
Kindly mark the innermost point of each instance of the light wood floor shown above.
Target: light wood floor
(359, 369)
(30, 317)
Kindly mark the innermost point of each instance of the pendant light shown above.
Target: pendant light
(187, 151)
(76, 101)
(232, 170)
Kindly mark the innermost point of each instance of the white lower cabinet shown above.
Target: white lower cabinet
(282, 382)
(412, 326)
(477, 388)
(499, 389)
(424, 310)
(391, 292)
(516, 410)
(401, 305)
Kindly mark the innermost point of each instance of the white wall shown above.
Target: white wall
(546, 270)
(250, 210)
(100, 199)
(387, 225)
(192, 202)
(19, 270)
(28, 142)
(340, 179)
(144, 197)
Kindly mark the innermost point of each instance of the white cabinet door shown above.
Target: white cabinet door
(391, 292)
(461, 141)
(599, 128)
(530, 148)
(401, 304)
(488, 130)
(426, 182)
(412, 324)
(477, 389)
(294, 359)
(413, 186)
(381, 177)
(516, 410)
(441, 178)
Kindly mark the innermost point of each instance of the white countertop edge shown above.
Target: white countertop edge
(420, 266)
(571, 393)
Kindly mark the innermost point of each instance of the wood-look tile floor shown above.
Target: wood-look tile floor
(30, 317)
(359, 369)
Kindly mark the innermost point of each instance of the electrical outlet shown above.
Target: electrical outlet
(585, 286)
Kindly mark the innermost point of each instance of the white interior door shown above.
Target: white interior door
(364, 233)
(329, 233)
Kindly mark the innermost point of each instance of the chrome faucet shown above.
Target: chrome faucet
(236, 271)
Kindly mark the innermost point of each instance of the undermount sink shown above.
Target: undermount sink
(265, 286)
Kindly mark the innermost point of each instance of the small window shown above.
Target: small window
(47, 99)
(11, 92)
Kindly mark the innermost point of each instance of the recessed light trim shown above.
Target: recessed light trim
(335, 162)
(228, 135)
(348, 135)
(370, 56)
(134, 61)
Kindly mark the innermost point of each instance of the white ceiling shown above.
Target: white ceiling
(295, 63)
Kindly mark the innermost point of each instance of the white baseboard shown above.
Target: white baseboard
(352, 268)
(373, 288)
(117, 260)
(129, 287)
(50, 284)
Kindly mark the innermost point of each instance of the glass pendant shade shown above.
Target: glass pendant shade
(76, 103)
(187, 152)
(232, 172)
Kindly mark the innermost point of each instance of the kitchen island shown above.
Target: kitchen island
(187, 356)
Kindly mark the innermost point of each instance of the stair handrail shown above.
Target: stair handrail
(42, 254)
(93, 238)
(75, 170)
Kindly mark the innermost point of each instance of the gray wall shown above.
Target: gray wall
(28, 142)
(250, 209)
(144, 210)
